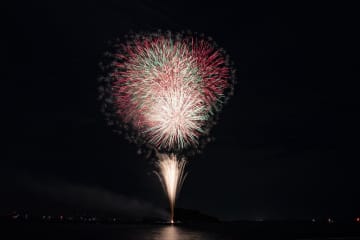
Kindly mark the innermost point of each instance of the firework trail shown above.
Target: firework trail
(167, 89)
(170, 172)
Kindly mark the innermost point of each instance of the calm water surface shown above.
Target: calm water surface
(55, 231)
(109, 232)
(176, 233)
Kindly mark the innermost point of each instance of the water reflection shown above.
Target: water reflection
(169, 232)
(177, 233)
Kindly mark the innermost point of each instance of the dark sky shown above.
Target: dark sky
(276, 153)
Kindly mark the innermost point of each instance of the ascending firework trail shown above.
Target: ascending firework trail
(167, 88)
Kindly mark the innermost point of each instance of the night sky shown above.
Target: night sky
(277, 144)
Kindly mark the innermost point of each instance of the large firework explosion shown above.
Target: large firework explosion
(166, 90)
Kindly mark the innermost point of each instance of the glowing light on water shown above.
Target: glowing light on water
(170, 171)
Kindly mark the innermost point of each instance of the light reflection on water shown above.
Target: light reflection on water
(177, 233)
(117, 232)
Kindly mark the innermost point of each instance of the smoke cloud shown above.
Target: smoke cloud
(96, 199)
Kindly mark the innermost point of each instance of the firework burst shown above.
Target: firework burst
(166, 90)
(169, 87)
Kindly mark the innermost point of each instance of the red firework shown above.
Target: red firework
(169, 87)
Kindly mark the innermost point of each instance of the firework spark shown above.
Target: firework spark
(170, 171)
